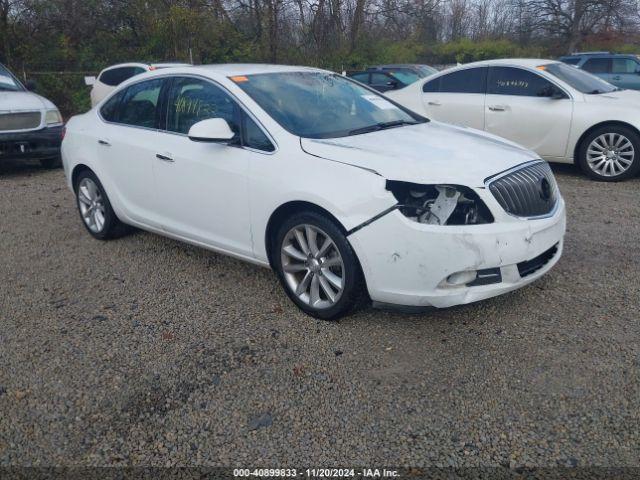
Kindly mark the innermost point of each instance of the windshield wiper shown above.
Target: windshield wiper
(380, 126)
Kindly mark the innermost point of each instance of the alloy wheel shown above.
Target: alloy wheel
(313, 267)
(610, 154)
(91, 205)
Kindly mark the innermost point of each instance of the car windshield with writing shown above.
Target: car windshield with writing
(323, 105)
(579, 79)
(8, 82)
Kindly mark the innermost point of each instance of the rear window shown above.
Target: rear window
(570, 60)
(116, 76)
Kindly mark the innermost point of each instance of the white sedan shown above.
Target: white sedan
(346, 195)
(564, 114)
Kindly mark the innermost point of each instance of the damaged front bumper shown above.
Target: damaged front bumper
(412, 264)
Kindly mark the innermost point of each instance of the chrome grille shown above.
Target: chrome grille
(530, 191)
(19, 121)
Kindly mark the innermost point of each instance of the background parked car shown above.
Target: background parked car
(111, 77)
(391, 77)
(563, 113)
(622, 70)
(30, 125)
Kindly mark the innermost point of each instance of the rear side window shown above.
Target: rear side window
(515, 81)
(116, 76)
(432, 86)
(596, 65)
(192, 100)
(470, 80)
(624, 65)
(139, 104)
(109, 110)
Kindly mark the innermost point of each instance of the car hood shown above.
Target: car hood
(430, 152)
(17, 101)
(620, 98)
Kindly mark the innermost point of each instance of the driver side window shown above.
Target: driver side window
(192, 100)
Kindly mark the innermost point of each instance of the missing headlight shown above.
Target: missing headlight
(440, 204)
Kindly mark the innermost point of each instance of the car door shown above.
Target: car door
(457, 97)
(126, 148)
(202, 186)
(625, 73)
(528, 109)
(600, 67)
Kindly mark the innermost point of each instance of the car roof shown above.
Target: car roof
(146, 65)
(514, 62)
(397, 65)
(231, 69)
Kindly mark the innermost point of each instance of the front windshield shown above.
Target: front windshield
(8, 81)
(322, 104)
(579, 79)
(405, 75)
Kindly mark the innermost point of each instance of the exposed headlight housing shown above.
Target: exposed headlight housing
(53, 117)
(440, 204)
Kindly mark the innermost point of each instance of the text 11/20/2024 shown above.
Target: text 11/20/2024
(316, 472)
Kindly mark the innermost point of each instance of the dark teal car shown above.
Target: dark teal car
(622, 70)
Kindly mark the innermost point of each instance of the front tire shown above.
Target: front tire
(317, 267)
(95, 209)
(610, 153)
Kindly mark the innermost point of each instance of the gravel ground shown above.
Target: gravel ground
(145, 351)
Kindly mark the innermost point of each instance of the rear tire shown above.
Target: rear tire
(95, 209)
(317, 267)
(610, 153)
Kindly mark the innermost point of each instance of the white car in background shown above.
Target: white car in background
(109, 78)
(346, 195)
(564, 114)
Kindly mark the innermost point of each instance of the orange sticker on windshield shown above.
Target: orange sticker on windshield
(542, 67)
(239, 78)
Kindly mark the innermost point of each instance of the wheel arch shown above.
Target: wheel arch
(288, 209)
(585, 134)
(77, 170)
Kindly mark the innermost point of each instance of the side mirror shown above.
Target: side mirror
(30, 85)
(215, 130)
(89, 81)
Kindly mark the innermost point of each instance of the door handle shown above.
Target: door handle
(497, 108)
(435, 104)
(164, 158)
(104, 143)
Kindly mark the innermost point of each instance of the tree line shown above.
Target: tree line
(87, 35)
